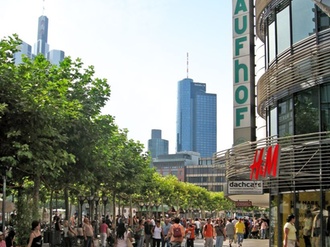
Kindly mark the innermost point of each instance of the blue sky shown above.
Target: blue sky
(140, 47)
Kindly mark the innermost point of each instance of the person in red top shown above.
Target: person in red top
(175, 237)
(103, 233)
(208, 233)
(190, 235)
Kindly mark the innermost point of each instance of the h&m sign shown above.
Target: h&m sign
(265, 165)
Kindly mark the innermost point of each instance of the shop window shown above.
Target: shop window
(306, 105)
(309, 218)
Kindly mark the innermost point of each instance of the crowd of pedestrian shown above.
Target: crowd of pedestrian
(153, 231)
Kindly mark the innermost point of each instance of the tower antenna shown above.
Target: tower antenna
(187, 65)
(43, 7)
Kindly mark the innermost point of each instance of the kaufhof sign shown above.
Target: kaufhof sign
(243, 62)
(245, 187)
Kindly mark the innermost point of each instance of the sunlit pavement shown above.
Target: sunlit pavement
(246, 243)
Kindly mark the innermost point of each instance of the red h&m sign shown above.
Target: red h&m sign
(269, 166)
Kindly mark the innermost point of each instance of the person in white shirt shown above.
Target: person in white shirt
(157, 234)
(198, 227)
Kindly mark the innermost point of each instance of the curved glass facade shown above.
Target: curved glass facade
(294, 98)
(289, 22)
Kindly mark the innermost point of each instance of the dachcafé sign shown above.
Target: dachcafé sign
(265, 162)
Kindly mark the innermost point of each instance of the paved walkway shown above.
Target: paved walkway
(246, 243)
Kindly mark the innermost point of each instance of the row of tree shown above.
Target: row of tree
(54, 139)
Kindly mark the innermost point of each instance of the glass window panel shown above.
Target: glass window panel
(285, 118)
(271, 42)
(307, 111)
(283, 30)
(303, 23)
(323, 20)
(325, 107)
(273, 121)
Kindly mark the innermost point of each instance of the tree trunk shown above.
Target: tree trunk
(66, 201)
(114, 223)
(51, 208)
(36, 188)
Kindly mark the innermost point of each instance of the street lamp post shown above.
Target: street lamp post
(90, 203)
(105, 200)
(96, 230)
(141, 204)
(157, 206)
(81, 201)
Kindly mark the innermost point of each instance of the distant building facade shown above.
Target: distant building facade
(196, 118)
(24, 49)
(157, 145)
(55, 56)
(41, 46)
(174, 164)
(207, 175)
(190, 167)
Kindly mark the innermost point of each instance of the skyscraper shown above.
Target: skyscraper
(196, 118)
(24, 49)
(41, 46)
(55, 56)
(157, 145)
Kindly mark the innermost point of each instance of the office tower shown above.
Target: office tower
(24, 49)
(157, 145)
(196, 118)
(42, 46)
(55, 56)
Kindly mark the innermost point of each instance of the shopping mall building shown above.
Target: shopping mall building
(281, 81)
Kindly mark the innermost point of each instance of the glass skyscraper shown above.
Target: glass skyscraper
(157, 145)
(196, 118)
(41, 46)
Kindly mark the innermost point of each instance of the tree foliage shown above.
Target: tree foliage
(54, 139)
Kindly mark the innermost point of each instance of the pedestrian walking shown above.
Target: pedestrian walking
(157, 233)
(290, 231)
(240, 230)
(230, 231)
(147, 233)
(263, 228)
(220, 231)
(190, 235)
(139, 234)
(88, 232)
(103, 233)
(35, 239)
(166, 227)
(208, 233)
(176, 233)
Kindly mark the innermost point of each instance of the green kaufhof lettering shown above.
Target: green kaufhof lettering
(242, 63)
